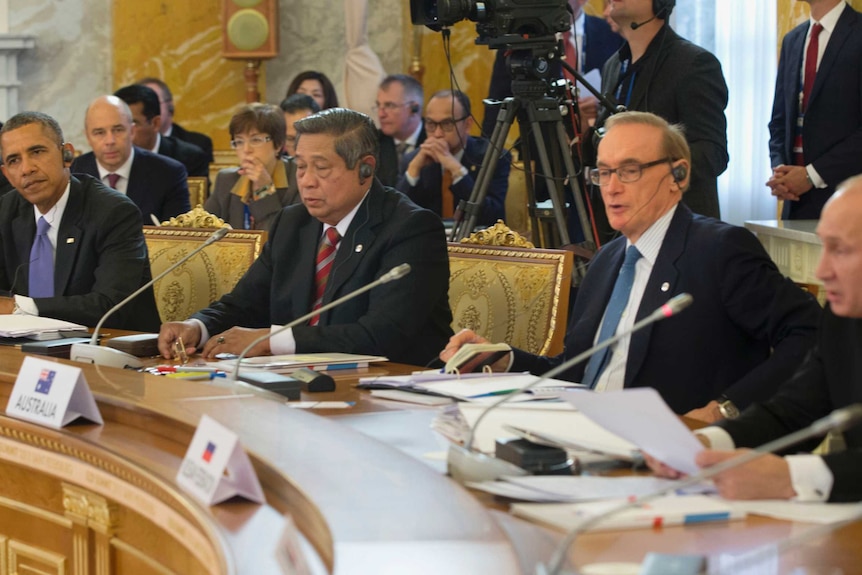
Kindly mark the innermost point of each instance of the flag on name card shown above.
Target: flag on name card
(46, 378)
(208, 452)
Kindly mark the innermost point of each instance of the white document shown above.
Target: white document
(13, 325)
(554, 419)
(51, 394)
(570, 488)
(289, 551)
(806, 512)
(216, 467)
(642, 417)
(594, 77)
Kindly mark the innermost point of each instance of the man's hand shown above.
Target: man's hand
(767, 477)
(662, 470)
(253, 169)
(588, 106)
(235, 340)
(469, 336)
(173, 330)
(7, 305)
(422, 158)
(708, 413)
(789, 182)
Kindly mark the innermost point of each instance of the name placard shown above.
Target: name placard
(51, 394)
(216, 467)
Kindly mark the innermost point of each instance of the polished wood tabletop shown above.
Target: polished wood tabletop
(366, 507)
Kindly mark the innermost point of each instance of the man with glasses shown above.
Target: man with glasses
(748, 328)
(399, 115)
(443, 170)
(157, 184)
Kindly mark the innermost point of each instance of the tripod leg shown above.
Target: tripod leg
(553, 185)
(468, 212)
(563, 141)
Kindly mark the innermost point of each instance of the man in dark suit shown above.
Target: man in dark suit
(594, 43)
(155, 183)
(88, 236)
(443, 170)
(399, 112)
(657, 71)
(144, 104)
(370, 229)
(168, 126)
(829, 379)
(812, 148)
(748, 327)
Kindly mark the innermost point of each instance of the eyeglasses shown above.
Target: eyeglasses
(627, 173)
(390, 106)
(448, 124)
(254, 142)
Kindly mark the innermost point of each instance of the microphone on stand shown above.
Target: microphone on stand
(837, 420)
(395, 273)
(92, 352)
(466, 464)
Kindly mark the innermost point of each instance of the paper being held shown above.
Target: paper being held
(642, 417)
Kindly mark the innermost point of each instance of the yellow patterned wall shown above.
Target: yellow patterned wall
(180, 41)
(793, 12)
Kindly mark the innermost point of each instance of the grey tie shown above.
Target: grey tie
(401, 149)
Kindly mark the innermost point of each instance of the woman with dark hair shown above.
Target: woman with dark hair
(317, 86)
(249, 197)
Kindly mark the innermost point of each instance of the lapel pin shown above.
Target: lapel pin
(665, 286)
(70, 240)
(358, 248)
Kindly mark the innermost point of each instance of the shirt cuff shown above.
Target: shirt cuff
(718, 438)
(282, 343)
(460, 176)
(810, 476)
(26, 306)
(411, 180)
(815, 178)
(205, 334)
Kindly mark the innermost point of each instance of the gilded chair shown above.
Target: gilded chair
(506, 291)
(207, 276)
(198, 191)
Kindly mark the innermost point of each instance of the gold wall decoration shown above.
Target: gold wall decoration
(791, 13)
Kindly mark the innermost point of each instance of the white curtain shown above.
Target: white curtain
(745, 38)
(363, 71)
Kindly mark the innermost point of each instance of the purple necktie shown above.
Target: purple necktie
(42, 263)
(113, 179)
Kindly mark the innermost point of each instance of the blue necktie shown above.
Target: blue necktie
(613, 313)
(42, 263)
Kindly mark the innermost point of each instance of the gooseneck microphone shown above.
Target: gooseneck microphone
(92, 352)
(636, 25)
(395, 273)
(837, 420)
(465, 464)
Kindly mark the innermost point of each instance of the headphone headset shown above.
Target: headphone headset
(365, 172)
(68, 155)
(414, 109)
(663, 8)
(679, 173)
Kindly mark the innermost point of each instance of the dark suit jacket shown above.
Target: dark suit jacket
(230, 208)
(742, 307)
(157, 184)
(100, 257)
(426, 192)
(601, 43)
(407, 320)
(832, 133)
(388, 170)
(683, 84)
(830, 378)
(193, 158)
(202, 141)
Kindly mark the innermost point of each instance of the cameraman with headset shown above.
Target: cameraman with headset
(658, 71)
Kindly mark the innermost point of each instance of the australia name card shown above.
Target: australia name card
(216, 467)
(51, 394)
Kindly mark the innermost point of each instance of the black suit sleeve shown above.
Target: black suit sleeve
(176, 200)
(778, 123)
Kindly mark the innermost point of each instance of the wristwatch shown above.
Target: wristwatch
(727, 408)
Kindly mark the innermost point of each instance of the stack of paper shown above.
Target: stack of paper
(30, 325)
(289, 363)
(571, 488)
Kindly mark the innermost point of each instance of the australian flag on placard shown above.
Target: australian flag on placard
(46, 378)
(208, 452)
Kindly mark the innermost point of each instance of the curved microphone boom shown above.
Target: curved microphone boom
(837, 420)
(636, 25)
(465, 464)
(395, 273)
(92, 352)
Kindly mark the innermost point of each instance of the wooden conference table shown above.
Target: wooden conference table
(102, 499)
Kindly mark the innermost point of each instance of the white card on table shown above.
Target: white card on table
(216, 467)
(288, 553)
(51, 394)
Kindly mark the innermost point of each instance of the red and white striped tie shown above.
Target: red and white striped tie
(325, 257)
